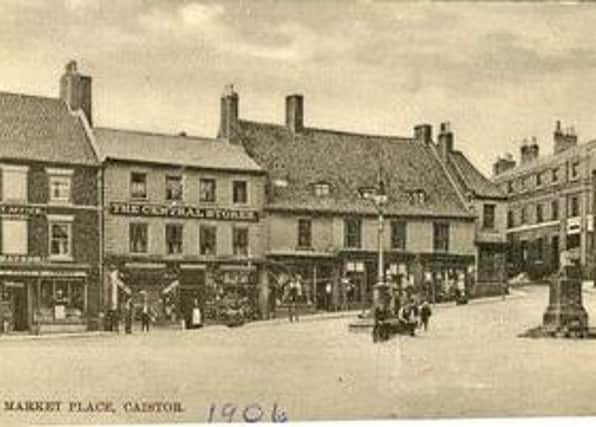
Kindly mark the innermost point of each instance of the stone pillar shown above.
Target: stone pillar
(263, 293)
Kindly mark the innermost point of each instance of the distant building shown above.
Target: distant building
(549, 199)
(50, 212)
(321, 226)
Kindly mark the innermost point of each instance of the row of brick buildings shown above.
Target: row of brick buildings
(91, 214)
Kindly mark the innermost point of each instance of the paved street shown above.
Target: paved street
(470, 363)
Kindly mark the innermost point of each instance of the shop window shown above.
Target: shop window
(523, 214)
(207, 240)
(240, 241)
(353, 232)
(60, 239)
(304, 233)
(173, 239)
(138, 237)
(539, 213)
(574, 206)
(58, 300)
(399, 232)
(174, 188)
(138, 185)
(207, 190)
(554, 210)
(441, 237)
(60, 183)
(14, 236)
(488, 216)
(14, 183)
(240, 192)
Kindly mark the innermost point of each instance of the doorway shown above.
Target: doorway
(17, 300)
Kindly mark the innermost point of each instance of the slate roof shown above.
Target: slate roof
(42, 129)
(348, 162)
(470, 179)
(165, 149)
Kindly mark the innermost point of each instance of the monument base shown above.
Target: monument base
(565, 314)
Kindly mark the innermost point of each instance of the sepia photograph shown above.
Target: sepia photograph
(272, 211)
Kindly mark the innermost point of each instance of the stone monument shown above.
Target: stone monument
(565, 314)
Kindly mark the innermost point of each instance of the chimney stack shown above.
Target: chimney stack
(423, 133)
(445, 140)
(524, 152)
(295, 113)
(503, 164)
(564, 139)
(533, 149)
(75, 90)
(228, 113)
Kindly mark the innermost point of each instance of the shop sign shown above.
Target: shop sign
(21, 210)
(20, 259)
(193, 212)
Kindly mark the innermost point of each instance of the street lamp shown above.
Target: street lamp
(379, 199)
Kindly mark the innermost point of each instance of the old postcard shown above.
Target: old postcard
(277, 211)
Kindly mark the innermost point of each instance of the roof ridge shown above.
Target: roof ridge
(155, 133)
(332, 131)
(26, 95)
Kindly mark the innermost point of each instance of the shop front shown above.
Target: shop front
(43, 299)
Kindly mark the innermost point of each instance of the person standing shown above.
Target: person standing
(145, 316)
(425, 313)
(328, 295)
(196, 320)
(292, 300)
(128, 313)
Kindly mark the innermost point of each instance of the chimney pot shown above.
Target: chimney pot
(75, 90)
(423, 133)
(295, 113)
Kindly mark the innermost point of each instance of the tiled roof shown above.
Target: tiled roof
(544, 162)
(42, 129)
(172, 149)
(349, 162)
(471, 179)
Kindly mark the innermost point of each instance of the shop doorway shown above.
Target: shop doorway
(17, 300)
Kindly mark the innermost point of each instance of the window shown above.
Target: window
(510, 188)
(538, 179)
(539, 248)
(417, 197)
(207, 240)
(138, 237)
(321, 189)
(488, 216)
(207, 190)
(554, 209)
(523, 215)
(441, 237)
(399, 233)
(555, 175)
(539, 213)
(240, 192)
(173, 188)
(524, 184)
(60, 185)
(138, 185)
(60, 239)
(574, 206)
(14, 183)
(59, 299)
(510, 219)
(14, 236)
(353, 235)
(575, 170)
(304, 233)
(240, 241)
(173, 239)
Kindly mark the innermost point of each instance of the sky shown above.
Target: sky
(498, 72)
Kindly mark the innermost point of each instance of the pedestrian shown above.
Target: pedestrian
(405, 319)
(425, 313)
(196, 320)
(128, 313)
(145, 316)
(292, 300)
(328, 295)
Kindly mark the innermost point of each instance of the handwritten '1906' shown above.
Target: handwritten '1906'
(252, 413)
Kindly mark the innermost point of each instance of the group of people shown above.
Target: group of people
(410, 316)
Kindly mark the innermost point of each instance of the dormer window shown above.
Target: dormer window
(417, 197)
(321, 189)
(367, 192)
